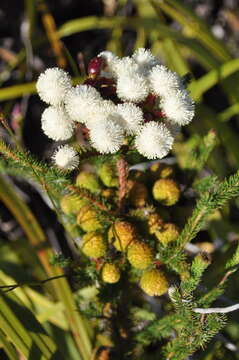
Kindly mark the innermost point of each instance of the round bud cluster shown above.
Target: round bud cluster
(132, 96)
(138, 193)
(167, 234)
(88, 219)
(108, 174)
(93, 245)
(166, 191)
(140, 255)
(89, 181)
(110, 273)
(71, 204)
(154, 283)
(121, 235)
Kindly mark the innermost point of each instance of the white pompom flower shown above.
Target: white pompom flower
(132, 87)
(178, 107)
(154, 141)
(52, 86)
(56, 124)
(132, 117)
(66, 157)
(163, 81)
(126, 67)
(107, 135)
(101, 110)
(81, 101)
(145, 60)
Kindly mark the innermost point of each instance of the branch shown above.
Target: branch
(122, 168)
(217, 310)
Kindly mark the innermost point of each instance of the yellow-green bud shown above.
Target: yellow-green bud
(88, 219)
(93, 245)
(122, 234)
(154, 283)
(138, 193)
(88, 181)
(160, 171)
(155, 223)
(167, 234)
(110, 273)
(139, 255)
(71, 204)
(166, 191)
(108, 175)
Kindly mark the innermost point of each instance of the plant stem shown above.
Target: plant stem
(122, 168)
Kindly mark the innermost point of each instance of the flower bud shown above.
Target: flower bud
(122, 234)
(95, 66)
(166, 191)
(155, 223)
(167, 234)
(88, 219)
(138, 194)
(94, 245)
(160, 170)
(88, 181)
(110, 273)
(71, 204)
(154, 283)
(108, 175)
(140, 255)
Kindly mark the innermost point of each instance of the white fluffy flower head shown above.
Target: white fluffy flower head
(52, 86)
(154, 141)
(179, 107)
(145, 60)
(132, 87)
(107, 135)
(66, 157)
(101, 110)
(126, 67)
(56, 124)
(132, 117)
(81, 101)
(163, 81)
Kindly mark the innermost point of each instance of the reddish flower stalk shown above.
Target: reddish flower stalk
(122, 168)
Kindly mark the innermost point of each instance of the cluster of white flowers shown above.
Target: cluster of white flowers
(148, 101)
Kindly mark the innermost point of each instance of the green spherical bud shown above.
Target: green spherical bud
(88, 219)
(110, 273)
(89, 181)
(122, 234)
(108, 175)
(154, 283)
(166, 191)
(167, 234)
(93, 245)
(140, 255)
(138, 193)
(71, 204)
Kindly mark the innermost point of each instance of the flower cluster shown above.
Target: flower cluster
(122, 98)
